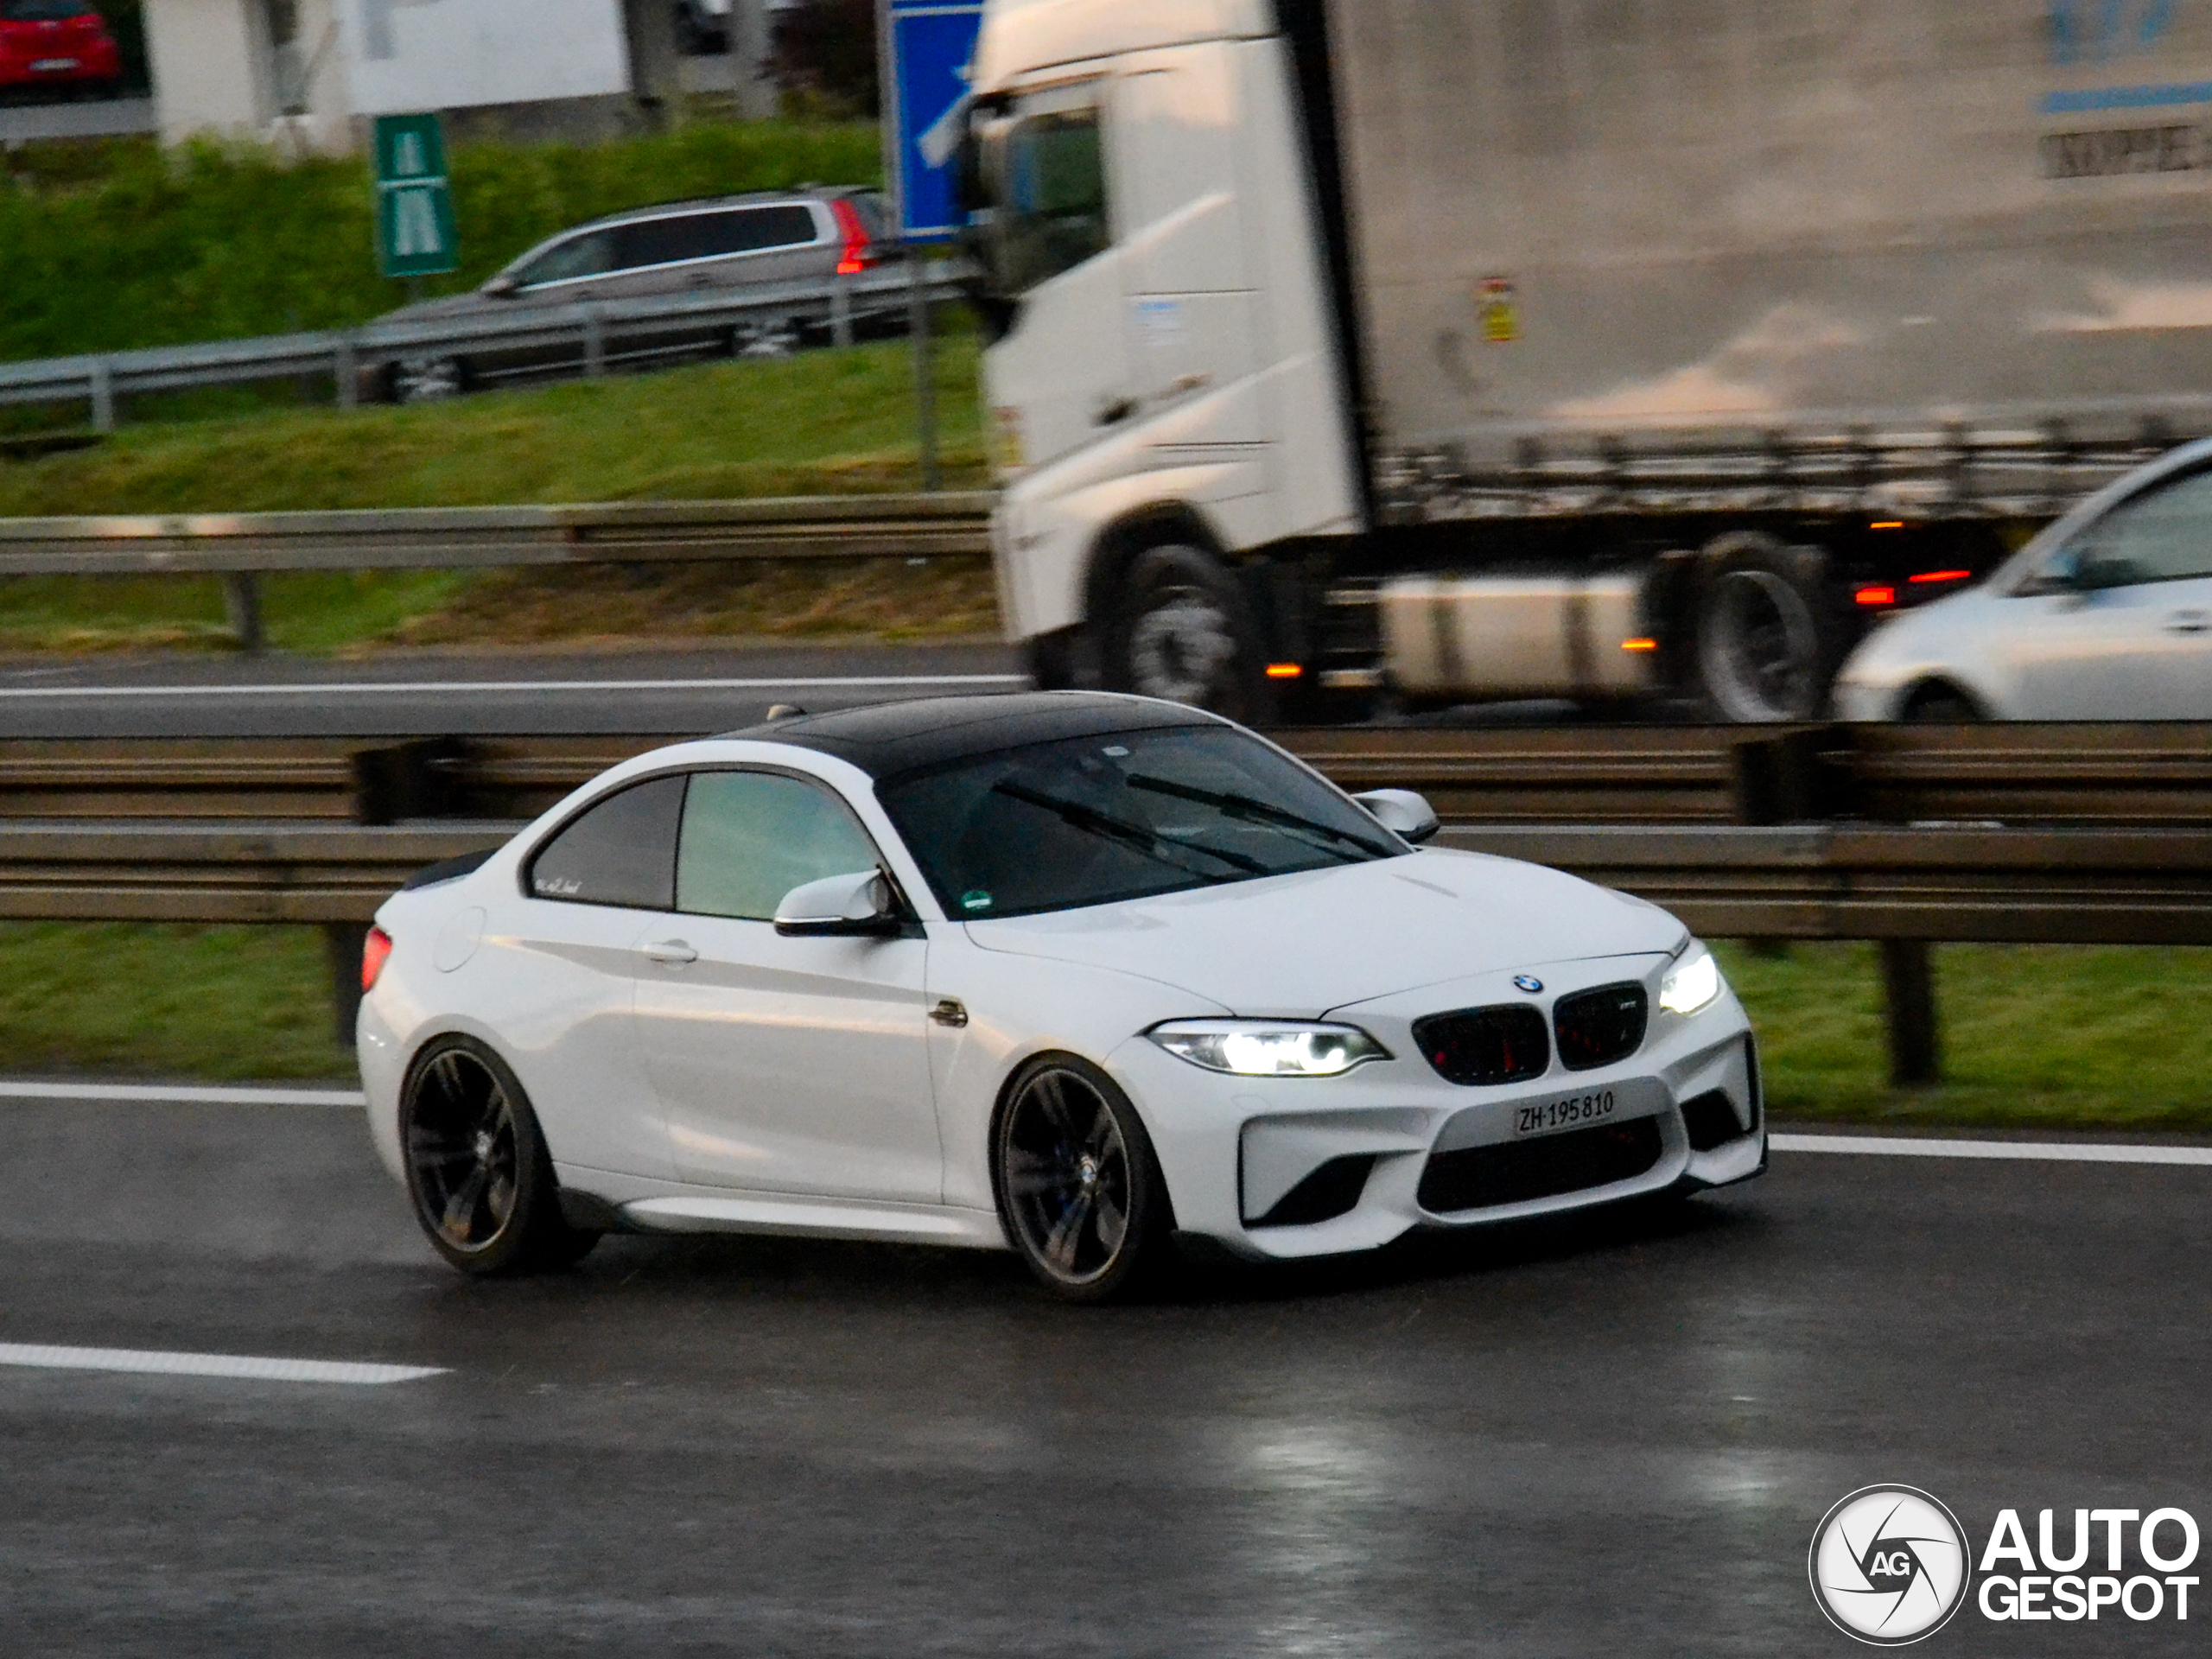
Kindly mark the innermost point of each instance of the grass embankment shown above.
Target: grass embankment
(2113, 1039)
(2033, 1036)
(821, 423)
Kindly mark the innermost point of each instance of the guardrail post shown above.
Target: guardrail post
(342, 944)
(1908, 986)
(594, 344)
(840, 312)
(242, 605)
(103, 395)
(346, 366)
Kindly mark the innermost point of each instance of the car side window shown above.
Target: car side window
(751, 837)
(2163, 536)
(1046, 180)
(619, 852)
(681, 237)
(591, 254)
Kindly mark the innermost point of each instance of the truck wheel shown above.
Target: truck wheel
(1765, 650)
(1185, 635)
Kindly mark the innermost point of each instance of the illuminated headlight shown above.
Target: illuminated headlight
(1267, 1048)
(1692, 983)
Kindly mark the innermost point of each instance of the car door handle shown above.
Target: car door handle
(2189, 622)
(673, 953)
(1112, 411)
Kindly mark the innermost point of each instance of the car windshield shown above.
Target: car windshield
(1096, 820)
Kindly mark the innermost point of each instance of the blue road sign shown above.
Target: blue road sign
(927, 47)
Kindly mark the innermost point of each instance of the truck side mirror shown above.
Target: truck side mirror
(1404, 814)
(859, 906)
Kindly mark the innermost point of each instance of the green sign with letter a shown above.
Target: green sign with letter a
(417, 235)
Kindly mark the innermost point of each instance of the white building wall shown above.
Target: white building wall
(209, 68)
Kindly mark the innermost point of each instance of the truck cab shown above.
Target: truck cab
(1166, 391)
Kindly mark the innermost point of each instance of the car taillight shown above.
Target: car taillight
(375, 950)
(855, 259)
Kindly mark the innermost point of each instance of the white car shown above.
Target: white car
(1065, 972)
(2107, 615)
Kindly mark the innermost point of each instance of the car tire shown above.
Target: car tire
(1184, 633)
(1079, 1190)
(1767, 648)
(477, 1166)
(1941, 705)
(428, 379)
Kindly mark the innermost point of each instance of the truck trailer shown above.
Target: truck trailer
(1633, 352)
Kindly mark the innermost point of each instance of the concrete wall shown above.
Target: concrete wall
(220, 70)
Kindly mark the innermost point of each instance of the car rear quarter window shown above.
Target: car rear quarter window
(751, 837)
(620, 852)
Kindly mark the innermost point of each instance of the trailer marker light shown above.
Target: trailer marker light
(1888, 523)
(1877, 597)
(1285, 671)
(1639, 645)
(1944, 576)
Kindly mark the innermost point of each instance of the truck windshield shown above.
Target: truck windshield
(1045, 180)
(1097, 820)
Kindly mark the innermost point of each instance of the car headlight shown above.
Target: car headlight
(1269, 1048)
(1692, 983)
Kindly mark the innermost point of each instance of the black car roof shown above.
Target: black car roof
(888, 739)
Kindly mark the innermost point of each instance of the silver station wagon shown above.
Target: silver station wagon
(729, 242)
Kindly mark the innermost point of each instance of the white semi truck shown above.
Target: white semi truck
(1605, 350)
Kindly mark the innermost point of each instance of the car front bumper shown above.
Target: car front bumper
(1248, 1160)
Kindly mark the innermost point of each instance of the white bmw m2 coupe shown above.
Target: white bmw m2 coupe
(1068, 974)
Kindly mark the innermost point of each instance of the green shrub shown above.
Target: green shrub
(111, 246)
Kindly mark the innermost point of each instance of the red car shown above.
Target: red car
(55, 43)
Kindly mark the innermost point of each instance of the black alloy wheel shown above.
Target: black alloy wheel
(1079, 1190)
(1185, 635)
(477, 1167)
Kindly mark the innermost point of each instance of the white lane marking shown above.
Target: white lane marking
(238, 1365)
(2059, 1152)
(524, 688)
(182, 1095)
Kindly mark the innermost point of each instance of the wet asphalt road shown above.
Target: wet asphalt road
(439, 693)
(1603, 1437)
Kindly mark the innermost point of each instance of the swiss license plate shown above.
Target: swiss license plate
(1568, 1112)
(52, 66)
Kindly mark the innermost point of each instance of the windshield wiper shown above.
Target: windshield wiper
(1136, 836)
(1246, 806)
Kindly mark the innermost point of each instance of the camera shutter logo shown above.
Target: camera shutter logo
(1889, 1565)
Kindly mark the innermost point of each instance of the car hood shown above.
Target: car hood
(449, 305)
(1296, 946)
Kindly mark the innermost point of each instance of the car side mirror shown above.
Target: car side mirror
(501, 287)
(841, 907)
(1404, 814)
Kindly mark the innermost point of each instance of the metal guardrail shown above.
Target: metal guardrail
(859, 526)
(2065, 834)
(599, 332)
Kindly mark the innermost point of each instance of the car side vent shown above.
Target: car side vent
(1481, 1047)
(1601, 1026)
(1332, 1191)
(1712, 1121)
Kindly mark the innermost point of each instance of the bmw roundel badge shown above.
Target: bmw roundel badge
(1529, 984)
